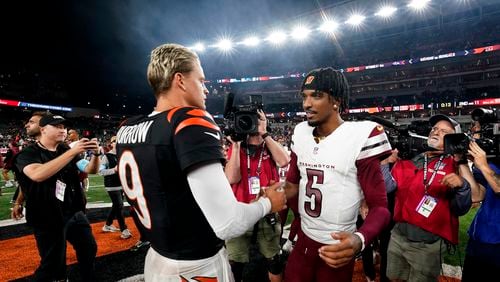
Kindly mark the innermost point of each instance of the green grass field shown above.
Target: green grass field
(97, 194)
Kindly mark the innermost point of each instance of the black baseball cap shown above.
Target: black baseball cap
(435, 118)
(52, 120)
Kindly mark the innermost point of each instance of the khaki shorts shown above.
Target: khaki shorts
(413, 261)
(268, 241)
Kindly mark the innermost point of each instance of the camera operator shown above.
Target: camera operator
(253, 165)
(482, 255)
(433, 190)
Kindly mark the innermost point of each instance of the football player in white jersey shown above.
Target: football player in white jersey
(335, 164)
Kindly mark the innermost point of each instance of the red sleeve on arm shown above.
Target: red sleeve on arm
(293, 174)
(372, 183)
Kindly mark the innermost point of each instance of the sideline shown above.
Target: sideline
(90, 206)
(23, 249)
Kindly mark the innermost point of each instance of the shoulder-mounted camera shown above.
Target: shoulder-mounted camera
(489, 135)
(409, 139)
(241, 119)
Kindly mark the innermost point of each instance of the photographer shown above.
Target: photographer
(433, 190)
(482, 255)
(48, 175)
(252, 165)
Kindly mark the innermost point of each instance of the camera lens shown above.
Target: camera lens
(245, 123)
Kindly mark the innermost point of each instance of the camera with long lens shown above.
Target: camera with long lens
(489, 120)
(242, 119)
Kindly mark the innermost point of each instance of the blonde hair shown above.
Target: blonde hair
(166, 60)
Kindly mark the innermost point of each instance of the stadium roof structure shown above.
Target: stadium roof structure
(98, 50)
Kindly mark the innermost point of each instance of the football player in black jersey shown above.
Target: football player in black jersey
(170, 167)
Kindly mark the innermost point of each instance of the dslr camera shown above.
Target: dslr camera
(242, 119)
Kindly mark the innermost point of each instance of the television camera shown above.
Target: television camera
(409, 139)
(489, 137)
(241, 119)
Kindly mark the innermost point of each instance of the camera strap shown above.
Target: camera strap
(436, 167)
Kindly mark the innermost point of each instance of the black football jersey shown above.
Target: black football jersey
(154, 155)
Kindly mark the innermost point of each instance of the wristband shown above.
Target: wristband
(265, 135)
(362, 239)
(97, 155)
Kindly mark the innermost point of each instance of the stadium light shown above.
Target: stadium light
(276, 37)
(418, 4)
(386, 11)
(251, 41)
(329, 26)
(300, 33)
(356, 20)
(199, 47)
(225, 45)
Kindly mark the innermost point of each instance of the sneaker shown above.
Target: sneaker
(9, 184)
(109, 228)
(139, 244)
(126, 234)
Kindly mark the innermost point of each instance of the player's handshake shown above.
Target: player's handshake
(276, 196)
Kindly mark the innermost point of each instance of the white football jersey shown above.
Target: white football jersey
(329, 190)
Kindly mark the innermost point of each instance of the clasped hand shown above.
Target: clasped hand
(341, 253)
(276, 195)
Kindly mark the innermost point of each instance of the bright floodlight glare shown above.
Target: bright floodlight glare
(418, 4)
(386, 11)
(276, 37)
(356, 20)
(199, 47)
(329, 26)
(300, 32)
(251, 41)
(225, 45)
